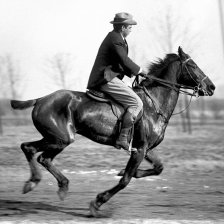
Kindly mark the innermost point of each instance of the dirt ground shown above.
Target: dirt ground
(190, 190)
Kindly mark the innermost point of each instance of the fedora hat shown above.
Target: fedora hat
(124, 18)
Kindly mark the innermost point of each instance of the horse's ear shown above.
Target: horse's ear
(181, 53)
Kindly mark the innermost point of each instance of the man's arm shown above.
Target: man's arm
(129, 66)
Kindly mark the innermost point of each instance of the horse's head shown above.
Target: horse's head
(193, 76)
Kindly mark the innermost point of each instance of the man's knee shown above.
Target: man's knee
(137, 109)
(140, 104)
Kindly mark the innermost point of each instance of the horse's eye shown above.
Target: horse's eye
(193, 66)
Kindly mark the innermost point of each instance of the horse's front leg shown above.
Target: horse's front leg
(132, 165)
(152, 158)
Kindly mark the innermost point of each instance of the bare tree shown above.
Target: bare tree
(9, 72)
(3, 77)
(60, 67)
(220, 6)
(216, 108)
(202, 111)
(171, 30)
(10, 77)
(1, 87)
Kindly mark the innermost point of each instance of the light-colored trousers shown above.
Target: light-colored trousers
(123, 94)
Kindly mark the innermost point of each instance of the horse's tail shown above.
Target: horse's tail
(21, 105)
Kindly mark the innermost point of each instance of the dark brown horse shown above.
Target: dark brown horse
(62, 114)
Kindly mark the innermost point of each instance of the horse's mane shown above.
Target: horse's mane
(156, 68)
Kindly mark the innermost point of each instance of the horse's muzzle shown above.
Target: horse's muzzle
(209, 91)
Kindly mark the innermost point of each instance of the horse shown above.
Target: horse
(60, 115)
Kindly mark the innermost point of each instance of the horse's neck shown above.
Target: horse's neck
(166, 100)
(165, 96)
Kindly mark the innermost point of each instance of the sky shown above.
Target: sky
(33, 31)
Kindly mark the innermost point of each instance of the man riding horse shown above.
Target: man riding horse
(111, 64)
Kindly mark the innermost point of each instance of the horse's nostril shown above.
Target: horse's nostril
(212, 87)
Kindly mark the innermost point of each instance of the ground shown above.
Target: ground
(190, 190)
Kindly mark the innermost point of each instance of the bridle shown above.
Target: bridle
(179, 87)
(198, 86)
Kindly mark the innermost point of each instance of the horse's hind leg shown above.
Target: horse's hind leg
(30, 149)
(45, 159)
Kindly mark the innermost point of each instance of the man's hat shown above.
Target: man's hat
(124, 18)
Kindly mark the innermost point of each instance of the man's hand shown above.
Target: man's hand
(143, 74)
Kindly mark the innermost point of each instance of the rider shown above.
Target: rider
(111, 64)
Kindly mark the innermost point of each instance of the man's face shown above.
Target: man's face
(126, 30)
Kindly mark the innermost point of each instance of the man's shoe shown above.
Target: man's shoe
(122, 141)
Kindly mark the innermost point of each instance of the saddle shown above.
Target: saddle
(117, 108)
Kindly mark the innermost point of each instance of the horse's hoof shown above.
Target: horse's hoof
(94, 209)
(62, 194)
(63, 189)
(121, 173)
(29, 186)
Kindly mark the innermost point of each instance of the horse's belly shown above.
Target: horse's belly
(99, 127)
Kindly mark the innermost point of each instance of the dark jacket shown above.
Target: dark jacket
(112, 54)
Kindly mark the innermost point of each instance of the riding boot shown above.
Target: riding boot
(127, 124)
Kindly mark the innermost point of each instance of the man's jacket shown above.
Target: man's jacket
(112, 60)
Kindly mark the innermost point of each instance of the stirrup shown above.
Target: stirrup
(129, 146)
(119, 146)
(130, 149)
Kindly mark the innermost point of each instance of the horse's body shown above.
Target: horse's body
(60, 115)
(69, 112)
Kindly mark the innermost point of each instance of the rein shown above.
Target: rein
(175, 86)
(156, 106)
